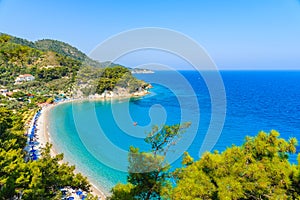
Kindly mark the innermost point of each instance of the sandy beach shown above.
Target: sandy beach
(44, 137)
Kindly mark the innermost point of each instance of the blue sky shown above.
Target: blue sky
(237, 34)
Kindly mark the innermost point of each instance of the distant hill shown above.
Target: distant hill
(20, 41)
(59, 47)
(66, 50)
(141, 71)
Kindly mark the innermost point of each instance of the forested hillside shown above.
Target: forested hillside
(67, 50)
(18, 59)
(59, 47)
(57, 69)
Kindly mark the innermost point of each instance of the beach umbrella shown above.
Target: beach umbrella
(71, 198)
(32, 150)
(31, 142)
(34, 156)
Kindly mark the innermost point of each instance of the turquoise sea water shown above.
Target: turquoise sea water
(96, 135)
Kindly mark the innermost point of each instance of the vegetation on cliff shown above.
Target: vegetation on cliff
(119, 77)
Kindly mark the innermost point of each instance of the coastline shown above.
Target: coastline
(44, 135)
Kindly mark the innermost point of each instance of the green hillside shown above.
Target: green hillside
(59, 47)
(52, 71)
(66, 50)
(57, 68)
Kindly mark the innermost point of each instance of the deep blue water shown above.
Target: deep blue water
(95, 135)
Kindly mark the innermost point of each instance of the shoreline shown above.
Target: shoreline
(44, 135)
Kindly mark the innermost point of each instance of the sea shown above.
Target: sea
(223, 108)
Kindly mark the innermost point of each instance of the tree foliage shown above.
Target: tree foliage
(118, 76)
(40, 179)
(148, 171)
(259, 169)
(5, 120)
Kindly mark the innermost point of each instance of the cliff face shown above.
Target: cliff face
(119, 92)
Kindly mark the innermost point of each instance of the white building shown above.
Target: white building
(23, 78)
(3, 91)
